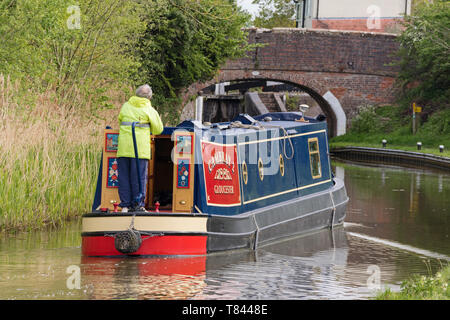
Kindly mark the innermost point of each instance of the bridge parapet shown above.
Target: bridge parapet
(340, 70)
(314, 50)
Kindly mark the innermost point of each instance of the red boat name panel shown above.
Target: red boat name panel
(220, 167)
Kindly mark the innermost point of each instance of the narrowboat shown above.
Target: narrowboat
(221, 186)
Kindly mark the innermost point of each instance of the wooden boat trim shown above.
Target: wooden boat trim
(155, 223)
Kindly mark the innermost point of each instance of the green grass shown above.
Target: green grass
(49, 160)
(433, 287)
(372, 125)
(47, 187)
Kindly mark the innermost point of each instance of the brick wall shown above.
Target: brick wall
(354, 66)
(319, 51)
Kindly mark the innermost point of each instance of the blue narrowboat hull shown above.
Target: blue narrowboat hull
(235, 185)
(324, 209)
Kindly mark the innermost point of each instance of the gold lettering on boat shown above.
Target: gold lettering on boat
(218, 189)
(222, 174)
(220, 158)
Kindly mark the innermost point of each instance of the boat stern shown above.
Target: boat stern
(120, 234)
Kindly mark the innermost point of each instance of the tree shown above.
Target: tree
(81, 47)
(424, 56)
(76, 49)
(187, 41)
(275, 13)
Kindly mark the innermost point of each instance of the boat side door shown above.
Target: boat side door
(151, 173)
(183, 171)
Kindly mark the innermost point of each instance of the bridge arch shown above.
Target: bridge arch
(329, 107)
(339, 69)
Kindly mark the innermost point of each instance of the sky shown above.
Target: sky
(247, 5)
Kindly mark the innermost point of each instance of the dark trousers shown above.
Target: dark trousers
(128, 180)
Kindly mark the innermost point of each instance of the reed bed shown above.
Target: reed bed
(49, 159)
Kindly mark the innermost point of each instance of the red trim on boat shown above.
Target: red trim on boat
(157, 245)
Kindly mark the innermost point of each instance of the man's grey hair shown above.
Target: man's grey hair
(144, 91)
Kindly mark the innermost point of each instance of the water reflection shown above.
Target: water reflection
(397, 223)
(410, 206)
(143, 278)
(302, 267)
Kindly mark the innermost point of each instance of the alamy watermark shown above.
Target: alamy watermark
(74, 280)
(74, 20)
(374, 19)
(264, 145)
(374, 280)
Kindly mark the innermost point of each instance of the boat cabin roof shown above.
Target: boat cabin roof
(285, 120)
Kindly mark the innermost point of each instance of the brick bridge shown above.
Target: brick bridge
(340, 70)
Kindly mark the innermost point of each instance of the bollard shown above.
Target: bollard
(441, 148)
(384, 142)
(419, 145)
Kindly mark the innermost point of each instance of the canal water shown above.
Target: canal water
(397, 225)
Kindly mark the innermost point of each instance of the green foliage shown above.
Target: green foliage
(275, 13)
(109, 44)
(394, 124)
(186, 42)
(372, 120)
(57, 73)
(366, 121)
(292, 102)
(74, 47)
(437, 124)
(422, 287)
(424, 62)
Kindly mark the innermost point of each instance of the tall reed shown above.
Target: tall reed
(49, 159)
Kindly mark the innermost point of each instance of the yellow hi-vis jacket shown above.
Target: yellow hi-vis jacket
(137, 109)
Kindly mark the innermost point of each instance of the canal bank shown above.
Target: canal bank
(391, 156)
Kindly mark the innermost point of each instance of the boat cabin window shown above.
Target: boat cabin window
(314, 158)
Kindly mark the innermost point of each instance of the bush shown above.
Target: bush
(367, 121)
(422, 287)
(437, 124)
(424, 52)
(185, 42)
(64, 44)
